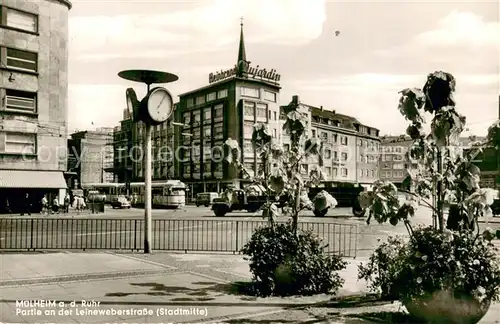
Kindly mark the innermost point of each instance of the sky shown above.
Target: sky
(380, 49)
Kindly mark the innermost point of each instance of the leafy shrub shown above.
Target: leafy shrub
(285, 263)
(431, 261)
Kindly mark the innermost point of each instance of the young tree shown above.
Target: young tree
(280, 173)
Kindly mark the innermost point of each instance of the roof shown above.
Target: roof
(319, 112)
(228, 80)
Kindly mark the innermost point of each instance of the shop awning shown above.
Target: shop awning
(32, 179)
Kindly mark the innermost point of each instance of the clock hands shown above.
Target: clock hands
(164, 96)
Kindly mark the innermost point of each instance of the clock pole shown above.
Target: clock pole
(148, 77)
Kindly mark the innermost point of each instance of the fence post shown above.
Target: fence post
(135, 235)
(31, 234)
(237, 236)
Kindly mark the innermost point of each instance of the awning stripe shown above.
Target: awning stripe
(32, 179)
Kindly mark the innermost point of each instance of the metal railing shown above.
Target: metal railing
(168, 234)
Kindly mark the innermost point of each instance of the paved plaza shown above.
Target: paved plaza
(160, 288)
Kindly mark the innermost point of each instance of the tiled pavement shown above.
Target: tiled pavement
(194, 285)
(173, 288)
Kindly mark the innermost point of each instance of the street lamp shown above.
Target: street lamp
(154, 109)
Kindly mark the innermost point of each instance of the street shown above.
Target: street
(188, 229)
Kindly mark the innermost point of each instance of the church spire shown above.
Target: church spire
(242, 63)
(242, 56)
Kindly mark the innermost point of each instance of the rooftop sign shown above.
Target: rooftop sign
(245, 70)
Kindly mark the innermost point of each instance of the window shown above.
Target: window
(343, 140)
(218, 111)
(344, 172)
(207, 167)
(218, 167)
(196, 117)
(207, 151)
(211, 96)
(249, 109)
(222, 94)
(218, 130)
(328, 171)
(361, 157)
(344, 156)
(207, 132)
(275, 133)
(261, 110)
(398, 149)
(358, 142)
(335, 172)
(20, 143)
(324, 136)
(360, 173)
(19, 19)
(207, 114)
(189, 102)
(22, 60)
(286, 147)
(196, 133)
(373, 173)
(250, 92)
(366, 173)
(269, 96)
(398, 166)
(20, 100)
(248, 146)
(313, 133)
(304, 169)
(398, 158)
(334, 138)
(335, 155)
(200, 100)
(328, 154)
(248, 129)
(196, 168)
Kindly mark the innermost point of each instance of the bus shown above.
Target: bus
(111, 190)
(165, 194)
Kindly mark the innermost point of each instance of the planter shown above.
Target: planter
(443, 307)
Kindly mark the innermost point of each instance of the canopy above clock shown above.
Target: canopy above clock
(148, 76)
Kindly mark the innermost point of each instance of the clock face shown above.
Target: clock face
(160, 105)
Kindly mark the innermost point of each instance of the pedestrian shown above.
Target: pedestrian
(26, 205)
(55, 205)
(7, 206)
(45, 205)
(66, 203)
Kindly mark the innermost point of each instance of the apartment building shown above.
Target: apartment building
(394, 159)
(228, 107)
(123, 142)
(350, 149)
(34, 93)
(91, 156)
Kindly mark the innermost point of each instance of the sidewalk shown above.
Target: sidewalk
(178, 288)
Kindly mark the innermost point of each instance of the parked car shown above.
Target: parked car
(206, 198)
(495, 207)
(120, 202)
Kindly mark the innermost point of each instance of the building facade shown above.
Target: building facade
(350, 149)
(91, 156)
(394, 159)
(123, 142)
(34, 92)
(228, 107)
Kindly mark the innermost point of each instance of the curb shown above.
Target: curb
(83, 277)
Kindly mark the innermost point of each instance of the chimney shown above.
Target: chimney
(295, 99)
(321, 108)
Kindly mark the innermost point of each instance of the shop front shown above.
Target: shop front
(20, 189)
